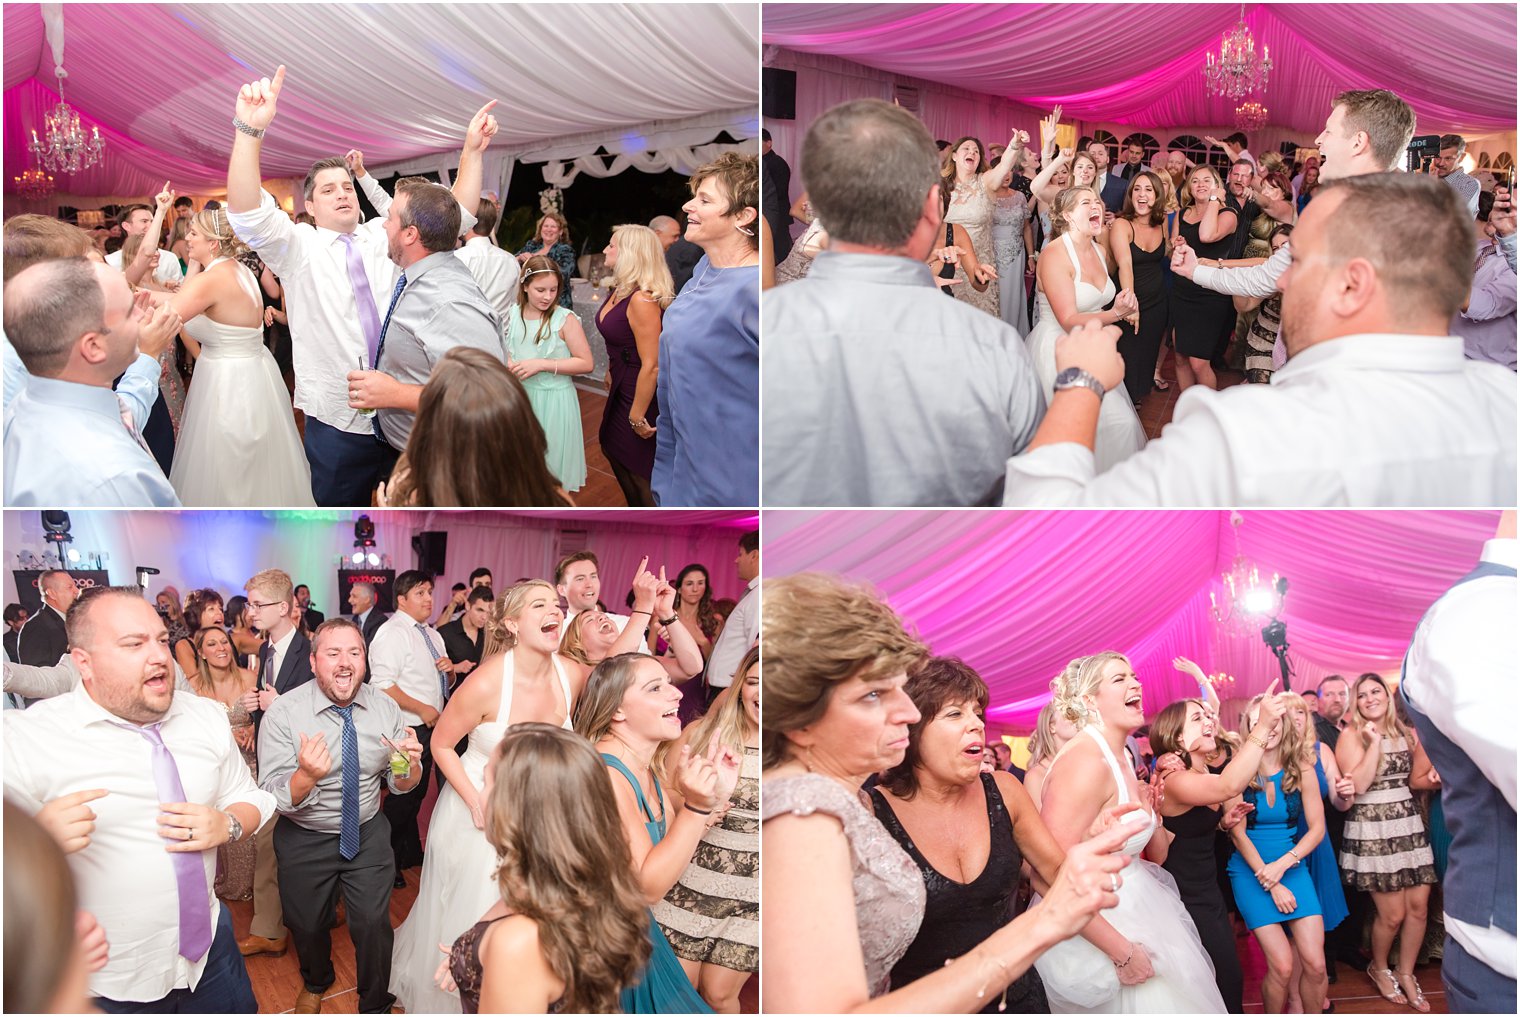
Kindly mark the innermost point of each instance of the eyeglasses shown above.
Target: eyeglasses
(255, 605)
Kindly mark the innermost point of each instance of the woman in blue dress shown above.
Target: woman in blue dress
(630, 710)
(1272, 887)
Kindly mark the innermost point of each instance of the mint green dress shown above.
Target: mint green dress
(551, 395)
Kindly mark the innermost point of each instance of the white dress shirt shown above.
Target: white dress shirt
(620, 620)
(277, 658)
(167, 272)
(494, 269)
(738, 635)
(1365, 421)
(1460, 673)
(66, 444)
(125, 877)
(399, 656)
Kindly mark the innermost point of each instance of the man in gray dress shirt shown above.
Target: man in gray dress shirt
(1448, 166)
(878, 389)
(437, 305)
(331, 831)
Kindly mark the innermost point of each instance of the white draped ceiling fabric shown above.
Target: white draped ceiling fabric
(1019, 594)
(398, 81)
(1138, 66)
(223, 549)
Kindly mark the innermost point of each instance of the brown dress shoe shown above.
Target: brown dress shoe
(308, 1002)
(251, 945)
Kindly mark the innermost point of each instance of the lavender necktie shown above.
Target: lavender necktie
(369, 314)
(189, 870)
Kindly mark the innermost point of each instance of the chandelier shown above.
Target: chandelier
(34, 184)
(63, 147)
(1237, 72)
(1250, 116)
(1247, 600)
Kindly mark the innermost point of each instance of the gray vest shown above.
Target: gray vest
(1479, 888)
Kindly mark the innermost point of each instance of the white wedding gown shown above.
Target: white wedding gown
(458, 870)
(1079, 978)
(1120, 433)
(238, 445)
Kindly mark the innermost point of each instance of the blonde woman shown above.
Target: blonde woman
(711, 917)
(1201, 319)
(629, 322)
(520, 678)
(1385, 850)
(238, 444)
(541, 948)
(1271, 884)
(221, 679)
(592, 636)
(630, 711)
(1052, 731)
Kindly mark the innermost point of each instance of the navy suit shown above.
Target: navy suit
(42, 641)
(1114, 189)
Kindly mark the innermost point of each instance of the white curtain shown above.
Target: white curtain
(682, 160)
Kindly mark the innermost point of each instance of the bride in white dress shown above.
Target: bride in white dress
(237, 444)
(1069, 294)
(521, 678)
(1168, 970)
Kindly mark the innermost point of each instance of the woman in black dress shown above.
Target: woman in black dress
(1201, 318)
(1182, 735)
(1139, 245)
(936, 792)
(629, 322)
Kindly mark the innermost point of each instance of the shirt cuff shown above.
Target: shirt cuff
(1203, 275)
(282, 802)
(1050, 475)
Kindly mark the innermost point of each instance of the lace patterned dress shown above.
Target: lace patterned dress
(466, 967)
(1384, 847)
(234, 861)
(889, 889)
(712, 914)
(971, 207)
(1009, 214)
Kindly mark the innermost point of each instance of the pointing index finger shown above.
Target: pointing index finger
(278, 81)
(480, 115)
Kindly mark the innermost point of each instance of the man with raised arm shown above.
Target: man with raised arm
(338, 278)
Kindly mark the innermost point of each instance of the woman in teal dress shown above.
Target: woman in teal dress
(1272, 887)
(630, 709)
(546, 347)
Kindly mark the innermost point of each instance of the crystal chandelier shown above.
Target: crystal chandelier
(1250, 116)
(64, 148)
(1247, 600)
(1237, 72)
(34, 184)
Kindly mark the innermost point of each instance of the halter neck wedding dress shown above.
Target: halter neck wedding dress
(238, 444)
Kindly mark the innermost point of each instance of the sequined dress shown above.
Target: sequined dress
(971, 208)
(889, 890)
(1009, 214)
(235, 860)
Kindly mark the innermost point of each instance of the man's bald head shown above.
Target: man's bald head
(667, 229)
(50, 306)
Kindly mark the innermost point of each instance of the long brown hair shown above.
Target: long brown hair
(1392, 725)
(538, 265)
(564, 863)
(1158, 212)
(203, 681)
(947, 172)
(724, 721)
(39, 915)
(476, 440)
(1166, 729)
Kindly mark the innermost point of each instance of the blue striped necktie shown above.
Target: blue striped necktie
(348, 834)
(443, 679)
(380, 347)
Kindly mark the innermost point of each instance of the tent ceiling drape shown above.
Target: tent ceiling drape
(1018, 594)
(1141, 64)
(398, 81)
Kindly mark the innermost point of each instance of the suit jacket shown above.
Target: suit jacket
(1128, 172)
(295, 669)
(10, 644)
(43, 639)
(776, 202)
(1114, 189)
(682, 260)
(314, 618)
(371, 624)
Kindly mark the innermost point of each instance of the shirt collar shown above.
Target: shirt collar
(424, 265)
(1502, 551)
(361, 698)
(282, 644)
(91, 398)
(91, 712)
(1426, 354)
(886, 269)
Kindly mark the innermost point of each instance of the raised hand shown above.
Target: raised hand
(157, 329)
(1211, 141)
(697, 779)
(1273, 706)
(1094, 348)
(1502, 217)
(1184, 258)
(1187, 667)
(312, 757)
(1048, 127)
(665, 596)
(726, 762)
(355, 160)
(70, 819)
(412, 747)
(1019, 139)
(256, 100)
(164, 197)
(481, 130)
(645, 587)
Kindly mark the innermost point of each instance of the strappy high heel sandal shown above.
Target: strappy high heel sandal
(1416, 999)
(1397, 995)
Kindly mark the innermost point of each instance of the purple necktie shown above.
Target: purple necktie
(189, 870)
(369, 314)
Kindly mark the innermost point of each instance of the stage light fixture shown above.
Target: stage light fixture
(55, 527)
(373, 559)
(358, 558)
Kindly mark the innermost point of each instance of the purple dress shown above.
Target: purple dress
(619, 443)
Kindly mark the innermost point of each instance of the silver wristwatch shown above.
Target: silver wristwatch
(251, 131)
(234, 828)
(1075, 377)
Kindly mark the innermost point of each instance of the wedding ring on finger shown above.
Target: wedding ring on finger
(1113, 882)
